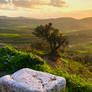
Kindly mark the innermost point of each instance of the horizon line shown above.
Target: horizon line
(44, 18)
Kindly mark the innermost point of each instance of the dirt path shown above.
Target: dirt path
(49, 61)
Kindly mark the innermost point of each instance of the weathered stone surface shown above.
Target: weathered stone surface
(27, 80)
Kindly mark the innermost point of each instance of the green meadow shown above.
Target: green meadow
(9, 35)
(78, 77)
(21, 48)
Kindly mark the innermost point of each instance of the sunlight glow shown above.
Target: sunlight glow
(47, 8)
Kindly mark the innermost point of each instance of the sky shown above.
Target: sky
(46, 8)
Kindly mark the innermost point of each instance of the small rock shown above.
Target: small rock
(27, 80)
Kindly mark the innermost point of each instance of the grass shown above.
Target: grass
(83, 51)
(20, 36)
(74, 66)
(77, 68)
(17, 36)
(89, 47)
(9, 35)
(12, 60)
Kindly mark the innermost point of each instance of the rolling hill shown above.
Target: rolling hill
(64, 23)
(18, 30)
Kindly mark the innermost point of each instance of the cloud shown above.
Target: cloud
(7, 5)
(32, 3)
(3, 1)
(58, 3)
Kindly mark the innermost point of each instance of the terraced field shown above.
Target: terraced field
(81, 40)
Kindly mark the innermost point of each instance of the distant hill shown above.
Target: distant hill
(87, 21)
(64, 23)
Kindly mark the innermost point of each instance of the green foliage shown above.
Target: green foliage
(77, 84)
(12, 60)
(52, 36)
(9, 35)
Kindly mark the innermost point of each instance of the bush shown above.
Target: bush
(12, 60)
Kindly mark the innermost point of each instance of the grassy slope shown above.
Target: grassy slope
(16, 36)
(23, 37)
(79, 31)
(12, 60)
(20, 34)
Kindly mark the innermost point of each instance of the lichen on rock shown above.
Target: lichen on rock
(27, 80)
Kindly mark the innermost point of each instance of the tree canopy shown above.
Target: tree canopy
(52, 35)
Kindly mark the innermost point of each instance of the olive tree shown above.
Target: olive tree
(52, 36)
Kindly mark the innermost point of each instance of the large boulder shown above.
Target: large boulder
(27, 80)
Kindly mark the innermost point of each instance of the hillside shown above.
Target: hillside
(76, 74)
(64, 23)
(74, 63)
(87, 21)
(17, 31)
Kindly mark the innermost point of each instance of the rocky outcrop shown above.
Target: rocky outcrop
(27, 80)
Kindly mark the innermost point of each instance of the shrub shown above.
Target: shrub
(12, 60)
